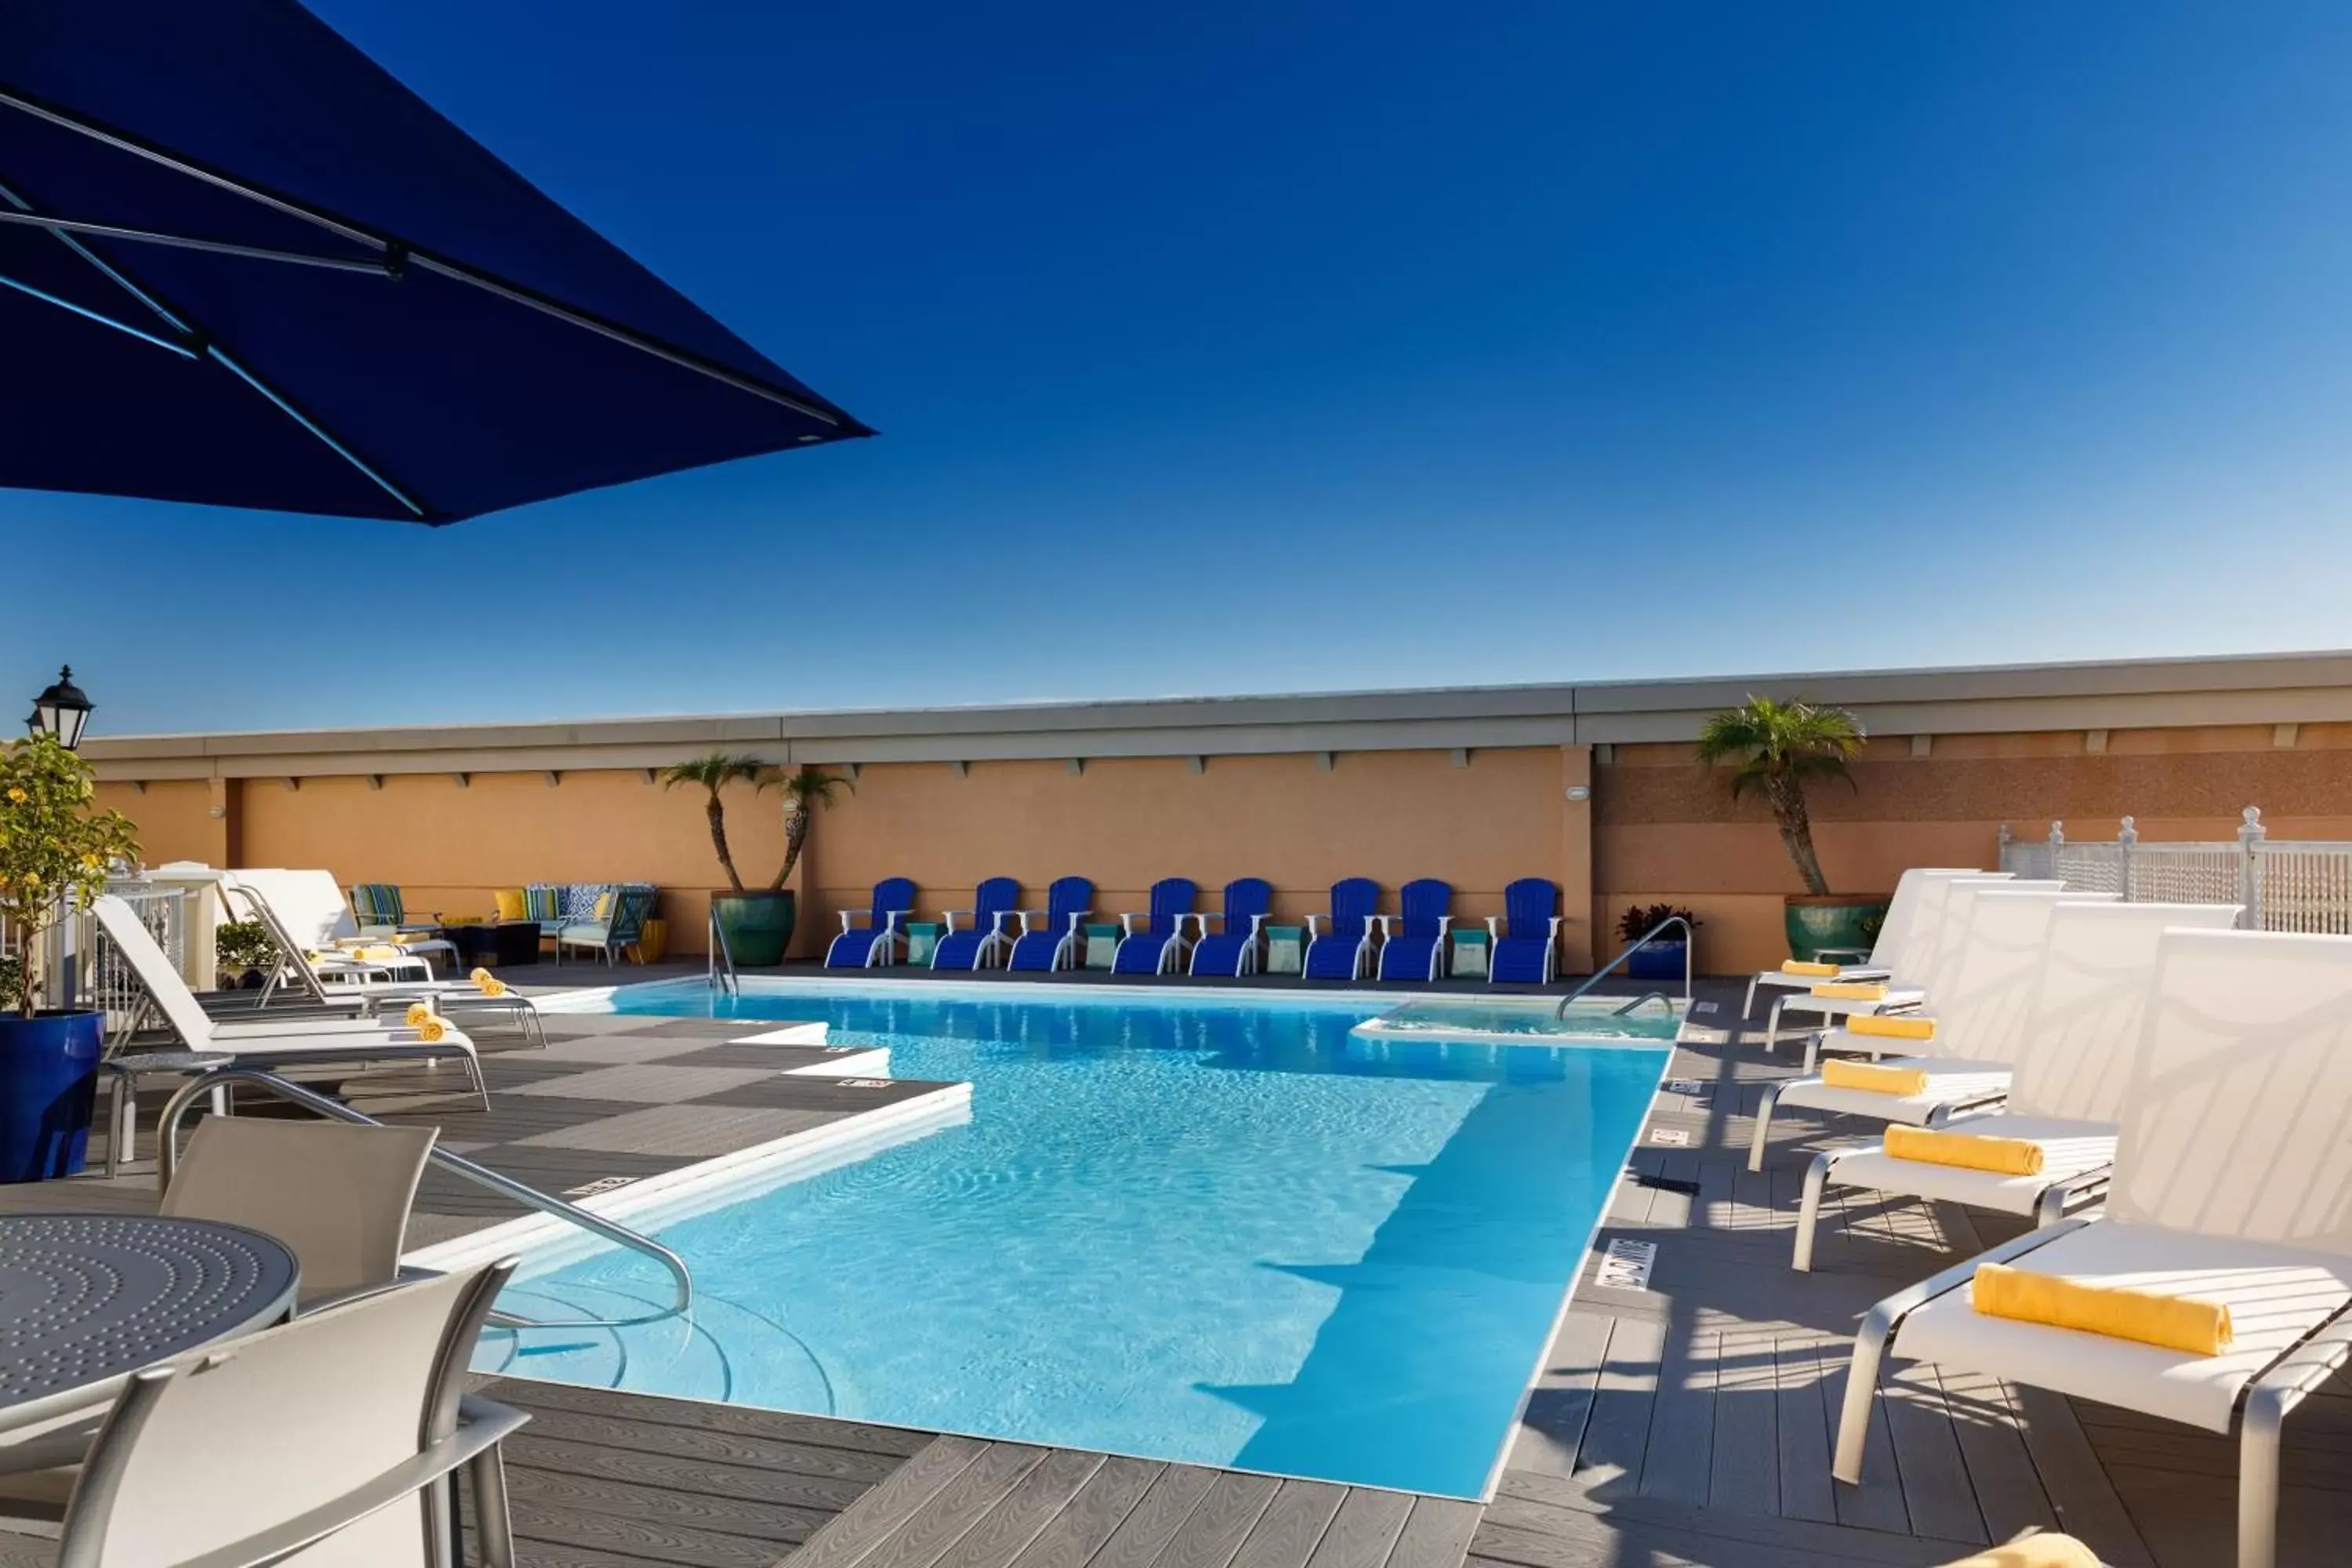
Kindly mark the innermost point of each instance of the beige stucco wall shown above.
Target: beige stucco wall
(1472, 786)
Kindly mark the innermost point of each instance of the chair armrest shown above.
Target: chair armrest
(1313, 926)
(1444, 921)
(1257, 924)
(1127, 924)
(1023, 916)
(891, 918)
(949, 916)
(1205, 916)
(1494, 927)
(1382, 921)
(1553, 935)
(1078, 918)
(846, 927)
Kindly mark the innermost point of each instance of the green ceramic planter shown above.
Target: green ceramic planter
(1819, 923)
(758, 925)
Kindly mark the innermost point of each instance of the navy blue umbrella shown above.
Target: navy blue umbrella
(240, 264)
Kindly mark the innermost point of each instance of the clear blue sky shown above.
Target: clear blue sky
(1272, 346)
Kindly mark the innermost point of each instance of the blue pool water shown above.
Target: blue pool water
(1228, 1233)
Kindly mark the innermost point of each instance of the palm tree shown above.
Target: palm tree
(1778, 746)
(803, 792)
(715, 772)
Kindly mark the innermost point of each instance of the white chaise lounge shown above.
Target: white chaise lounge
(1997, 931)
(1880, 964)
(2065, 1082)
(352, 1047)
(2233, 1186)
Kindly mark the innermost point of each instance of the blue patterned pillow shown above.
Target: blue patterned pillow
(579, 902)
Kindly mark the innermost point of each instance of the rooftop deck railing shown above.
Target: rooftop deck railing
(2287, 885)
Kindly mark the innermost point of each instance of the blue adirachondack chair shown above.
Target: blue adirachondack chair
(1056, 943)
(1158, 947)
(1235, 950)
(1515, 953)
(879, 941)
(1345, 952)
(994, 904)
(1412, 943)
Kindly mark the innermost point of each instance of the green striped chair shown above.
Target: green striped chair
(377, 906)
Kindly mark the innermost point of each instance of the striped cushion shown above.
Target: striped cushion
(543, 901)
(376, 903)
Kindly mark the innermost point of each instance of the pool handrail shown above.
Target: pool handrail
(719, 960)
(203, 1085)
(1645, 940)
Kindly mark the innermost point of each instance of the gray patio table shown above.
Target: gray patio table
(88, 1300)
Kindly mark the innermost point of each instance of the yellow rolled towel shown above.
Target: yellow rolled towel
(418, 1013)
(1852, 991)
(377, 954)
(2173, 1323)
(1802, 966)
(1970, 1150)
(488, 984)
(1875, 1077)
(1891, 1025)
(431, 1028)
(2043, 1550)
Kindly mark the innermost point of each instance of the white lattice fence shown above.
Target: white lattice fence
(2304, 887)
(2185, 874)
(109, 983)
(2282, 886)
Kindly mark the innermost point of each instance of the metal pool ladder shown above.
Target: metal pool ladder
(202, 1086)
(1646, 937)
(720, 965)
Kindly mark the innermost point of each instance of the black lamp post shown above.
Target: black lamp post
(60, 711)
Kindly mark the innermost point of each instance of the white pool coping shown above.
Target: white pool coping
(720, 1175)
(597, 1000)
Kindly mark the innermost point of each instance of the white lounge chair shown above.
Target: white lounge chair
(2065, 1082)
(453, 998)
(1879, 962)
(1934, 940)
(352, 1047)
(335, 1438)
(2232, 1184)
(312, 905)
(1993, 964)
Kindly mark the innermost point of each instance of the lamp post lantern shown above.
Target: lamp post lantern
(61, 711)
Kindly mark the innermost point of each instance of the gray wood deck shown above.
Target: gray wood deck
(1689, 1423)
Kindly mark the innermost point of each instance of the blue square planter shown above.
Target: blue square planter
(1659, 961)
(49, 1085)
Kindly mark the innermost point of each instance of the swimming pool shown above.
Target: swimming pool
(1222, 1228)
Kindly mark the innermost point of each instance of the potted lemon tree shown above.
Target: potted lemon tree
(54, 851)
(757, 922)
(1780, 748)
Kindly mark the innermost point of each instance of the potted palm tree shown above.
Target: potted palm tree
(1779, 748)
(757, 922)
(56, 852)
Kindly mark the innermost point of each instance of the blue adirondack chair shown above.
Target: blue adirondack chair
(1345, 952)
(995, 902)
(1054, 944)
(1235, 950)
(1523, 947)
(1159, 945)
(879, 939)
(1412, 944)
